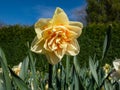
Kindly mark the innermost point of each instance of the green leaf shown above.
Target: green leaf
(24, 68)
(2, 84)
(76, 81)
(93, 69)
(5, 70)
(18, 81)
(76, 64)
(33, 72)
(71, 81)
(108, 86)
(67, 70)
(3, 56)
(107, 40)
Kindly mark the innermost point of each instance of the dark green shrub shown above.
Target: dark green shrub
(91, 42)
(13, 40)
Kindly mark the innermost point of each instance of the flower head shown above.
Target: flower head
(106, 68)
(59, 70)
(57, 37)
(17, 69)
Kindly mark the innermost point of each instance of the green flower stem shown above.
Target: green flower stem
(50, 76)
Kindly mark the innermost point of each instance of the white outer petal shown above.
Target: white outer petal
(37, 45)
(116, 64)
(78, 24)
(39, 26)
(59, 17)
(52, 58)
(73, 48)
(76, 30)
(60, 52)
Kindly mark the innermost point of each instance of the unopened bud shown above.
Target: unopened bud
(46, 86)
(59, 70)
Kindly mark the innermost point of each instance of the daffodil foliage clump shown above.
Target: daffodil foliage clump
(70, 77)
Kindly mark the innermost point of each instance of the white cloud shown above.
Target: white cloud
(79, 13)
(44, 11)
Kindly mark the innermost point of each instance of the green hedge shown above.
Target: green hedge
(92, 39)
(13, 40)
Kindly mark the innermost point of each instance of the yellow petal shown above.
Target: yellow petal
(73, 48)
(37, 45)
(72, 35)
(49, 42)
(46, 33)
(46, 46)
(41, 25)
(73, 23)
(60, 52)
(75, 27)
(52, 58)
(60, 17)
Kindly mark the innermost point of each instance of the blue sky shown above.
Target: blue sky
(27, 12)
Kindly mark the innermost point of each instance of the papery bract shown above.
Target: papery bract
(56, 37)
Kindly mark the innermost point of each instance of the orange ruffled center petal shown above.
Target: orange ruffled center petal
(56, 38)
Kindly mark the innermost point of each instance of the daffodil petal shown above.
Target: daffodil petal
(46, 46)
(78, 24)
(52, 58)
(75, 27)
(60, 17)
(37, 45)
(48, 43)
(40, 25)
(60, 52)
(46, 33)
(73, 48)
(72, 35)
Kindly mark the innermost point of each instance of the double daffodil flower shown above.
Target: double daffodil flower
(56, 37)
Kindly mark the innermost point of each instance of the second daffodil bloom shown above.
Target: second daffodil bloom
(116, 73)
(17, 69)
(116, 64)
(56, 37)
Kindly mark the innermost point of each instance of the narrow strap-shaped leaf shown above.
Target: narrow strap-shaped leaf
(76, 64)
(93, 69)
(108, 85)
(18, 81)
(6, 79)
(2, 84)
(24, 68)
(5, 70)
(67, 69)
(3, 56)
(76, 81)
(71, 85)
(33, 71)
(107, 40)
